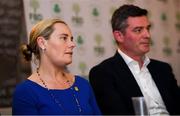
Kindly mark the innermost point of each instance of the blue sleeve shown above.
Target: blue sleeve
(93, 102)
(23, 101)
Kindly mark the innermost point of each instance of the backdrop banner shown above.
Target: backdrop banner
(91, 28)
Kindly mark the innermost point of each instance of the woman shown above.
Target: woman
(51, 89)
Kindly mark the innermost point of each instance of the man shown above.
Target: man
(130, 73)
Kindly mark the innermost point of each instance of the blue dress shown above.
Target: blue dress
(31, 98)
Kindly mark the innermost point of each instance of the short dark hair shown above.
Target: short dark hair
(119, 17)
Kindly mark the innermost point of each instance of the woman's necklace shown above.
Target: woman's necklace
(75, 89)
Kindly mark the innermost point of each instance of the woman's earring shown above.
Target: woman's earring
(43, 49)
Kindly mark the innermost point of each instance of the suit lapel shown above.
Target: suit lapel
(156, 77)
(125, 77)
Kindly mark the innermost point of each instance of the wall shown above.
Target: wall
(90, 23)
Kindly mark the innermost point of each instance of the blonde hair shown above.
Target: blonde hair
(44, 29)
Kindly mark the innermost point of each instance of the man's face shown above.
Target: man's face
(136, 39)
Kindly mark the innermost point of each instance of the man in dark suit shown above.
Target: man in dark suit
(131, 73)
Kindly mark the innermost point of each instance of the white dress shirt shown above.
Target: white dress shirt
(147, 85)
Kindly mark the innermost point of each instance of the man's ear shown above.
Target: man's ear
(118, 36)
(41, 42)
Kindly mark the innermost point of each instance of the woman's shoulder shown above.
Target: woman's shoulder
(24, 90)
(81, 78)
(28, 85)
(24, 86)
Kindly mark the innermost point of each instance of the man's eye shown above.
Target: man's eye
(137, 30)
(148, 29)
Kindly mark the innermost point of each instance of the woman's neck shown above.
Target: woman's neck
(55, 78)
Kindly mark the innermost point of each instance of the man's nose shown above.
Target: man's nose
(147, 33)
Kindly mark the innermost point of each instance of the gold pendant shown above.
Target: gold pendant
(76, 88)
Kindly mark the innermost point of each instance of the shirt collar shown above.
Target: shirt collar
(129, 60)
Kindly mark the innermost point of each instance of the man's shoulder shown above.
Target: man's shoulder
(106, 62)
(102, 69)
(155, 61)
(110, 62)
(158, 63)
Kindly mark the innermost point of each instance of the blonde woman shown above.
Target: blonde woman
(52, 89)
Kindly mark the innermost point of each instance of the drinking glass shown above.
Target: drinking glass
(139, 105)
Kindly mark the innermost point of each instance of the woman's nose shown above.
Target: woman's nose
(72, 44)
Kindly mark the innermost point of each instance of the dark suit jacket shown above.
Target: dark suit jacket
(114, 85)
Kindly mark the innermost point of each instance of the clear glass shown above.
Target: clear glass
(139, 105)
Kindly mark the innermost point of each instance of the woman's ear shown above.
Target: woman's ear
(118, 36)
(41, 42)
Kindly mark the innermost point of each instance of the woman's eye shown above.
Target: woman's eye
(64, 38)
(72, 38)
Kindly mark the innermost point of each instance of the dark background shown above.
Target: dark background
(13, 69)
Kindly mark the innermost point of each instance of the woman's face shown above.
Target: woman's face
(59, 46)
